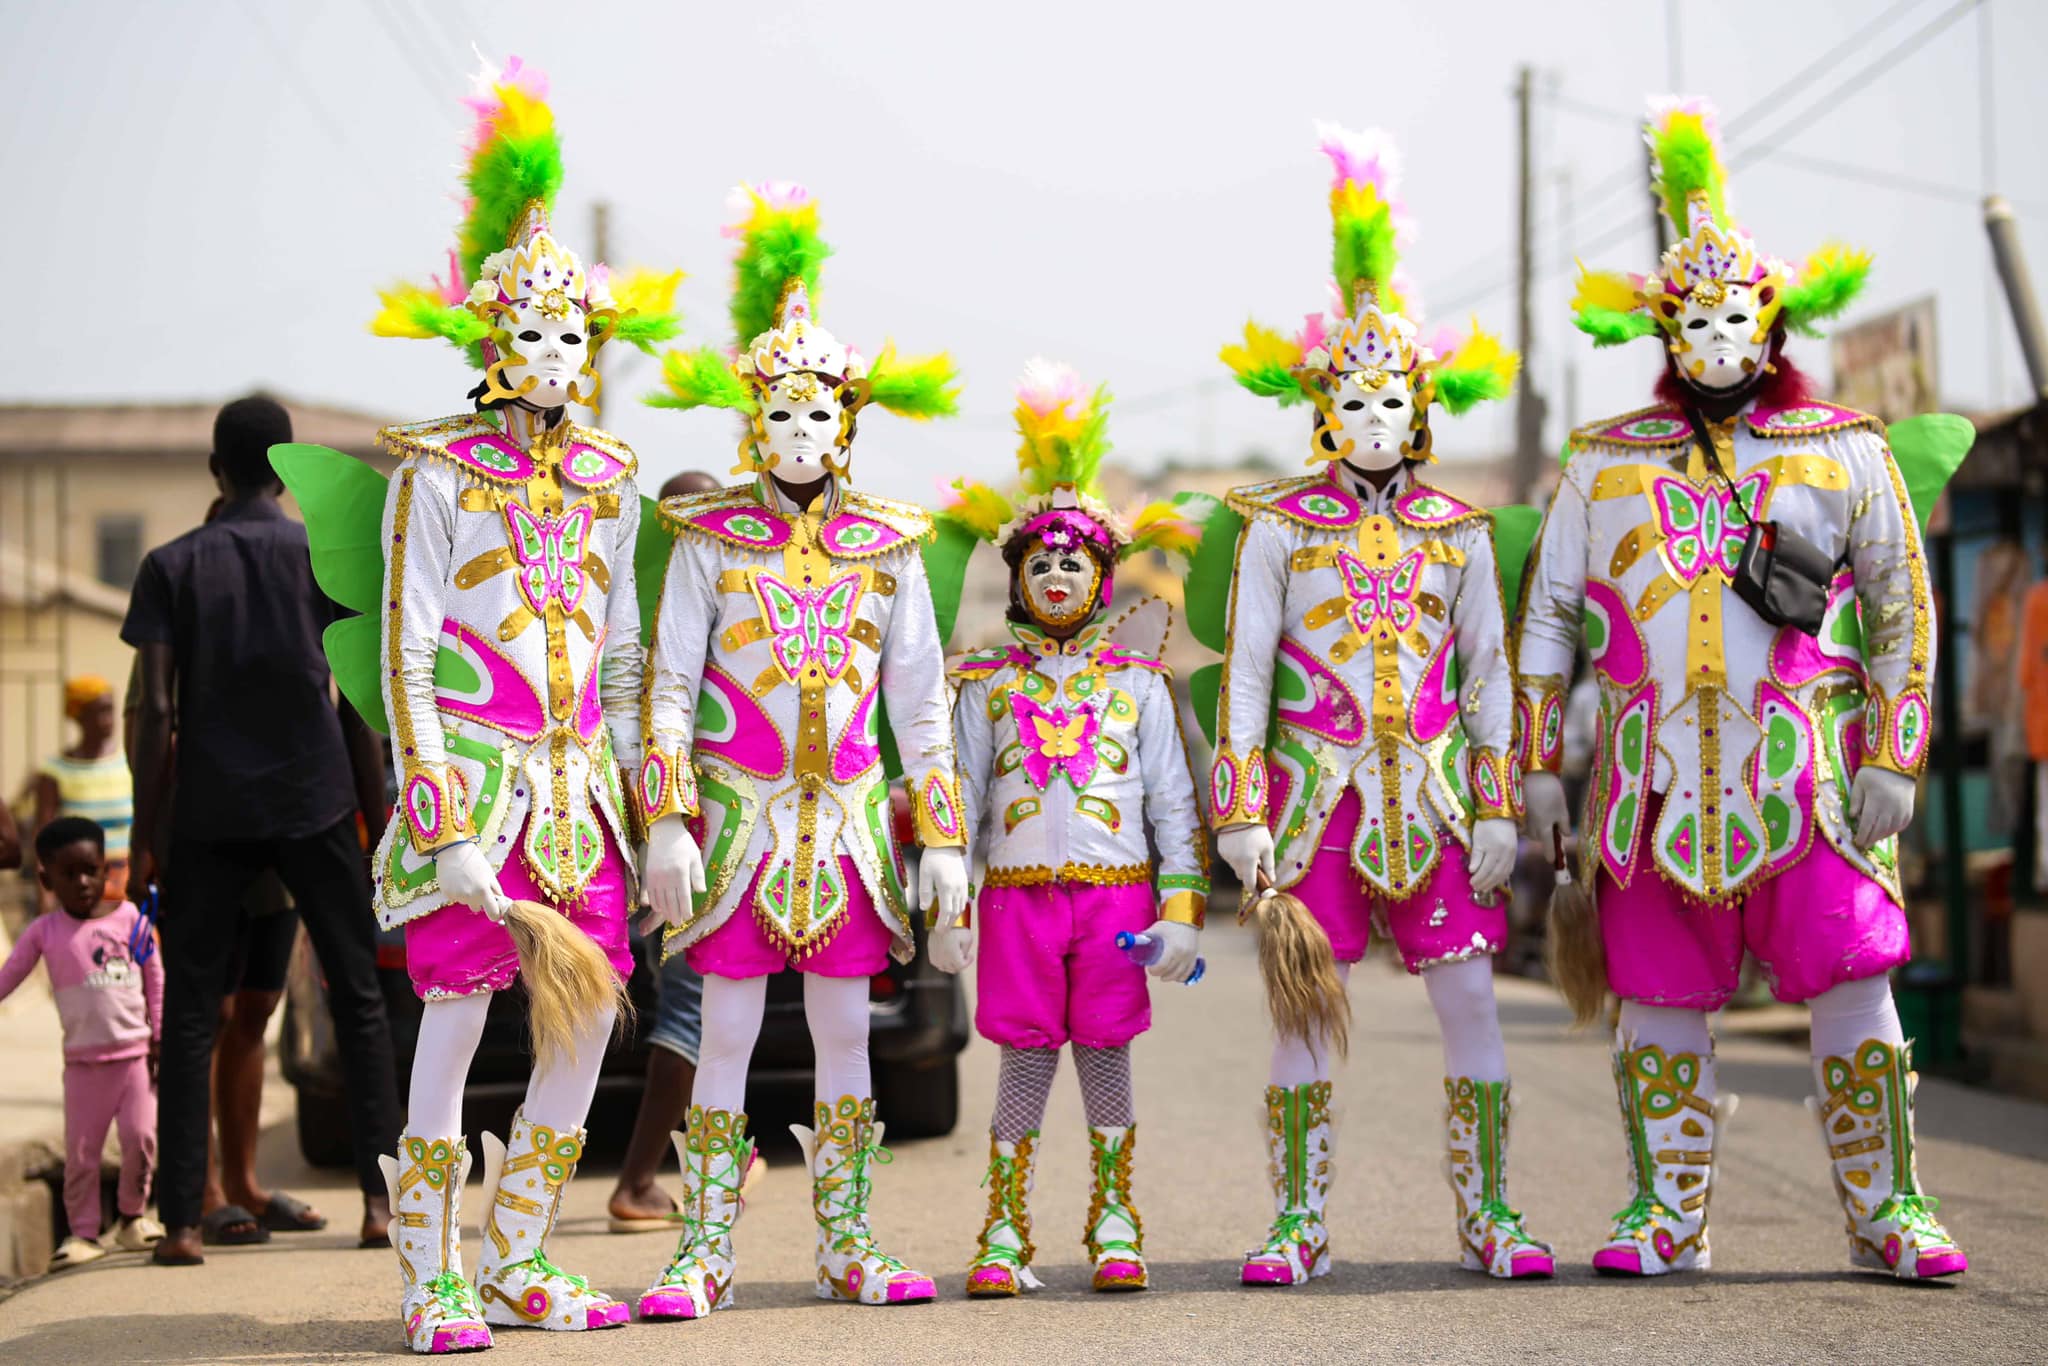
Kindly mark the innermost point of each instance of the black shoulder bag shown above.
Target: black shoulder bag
(1782, 576)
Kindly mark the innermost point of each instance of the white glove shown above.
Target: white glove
(942, 879)
(951, 949)
(467, 876)
(675, 871)
(1880, 804)
(1178, 945)
(1544, 810)
(1248, 849)
(1491, 860)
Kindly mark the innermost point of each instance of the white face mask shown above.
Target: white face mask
(1059, 586)
(800, 420)
(550, 351)
(1718, 346)
(1375, 421)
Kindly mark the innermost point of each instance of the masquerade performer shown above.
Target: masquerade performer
(796, 624)
(1364, 716)
(504, 640)
(1754, 599)
(1070, 752)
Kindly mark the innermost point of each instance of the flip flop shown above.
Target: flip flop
(289, 1214)
(214, 1228)
(646, 1223)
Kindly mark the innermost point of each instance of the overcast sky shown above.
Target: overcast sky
(205, 196)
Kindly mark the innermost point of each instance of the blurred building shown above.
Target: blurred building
(85, 491)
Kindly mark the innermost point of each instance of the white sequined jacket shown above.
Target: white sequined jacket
(1751, 733)
(1070, 751)
(511, 652)
(783, 638)
(1366, 648)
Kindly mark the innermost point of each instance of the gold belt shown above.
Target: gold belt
(1037, 875)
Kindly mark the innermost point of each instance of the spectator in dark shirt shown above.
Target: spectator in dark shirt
(269, 775)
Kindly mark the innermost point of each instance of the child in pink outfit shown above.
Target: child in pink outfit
(108, 986)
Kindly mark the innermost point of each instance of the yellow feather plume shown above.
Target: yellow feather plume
(1605, 289)
(646, 291)
(1162, 526)
(1039, 451)
(399, 316)
(522, 115)
(1262, 347)
(1482, 350)
(978, 507)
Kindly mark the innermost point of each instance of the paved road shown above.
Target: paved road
(1781, 1290)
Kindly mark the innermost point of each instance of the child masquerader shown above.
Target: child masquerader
(1071, 752)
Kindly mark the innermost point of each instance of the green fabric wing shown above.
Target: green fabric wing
(1203, 686)
(945, 569)
(1928, 450)
(342, 500)
(1514, 532)
(1210, 568)
(352, 653)
(651, 549)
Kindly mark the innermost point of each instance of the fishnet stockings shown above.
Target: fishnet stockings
(1106, 1085)
(1023, 1084)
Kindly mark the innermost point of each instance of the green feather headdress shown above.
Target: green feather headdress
(776, 269)
(1371, 328)
(1712, 253)
(513, 175)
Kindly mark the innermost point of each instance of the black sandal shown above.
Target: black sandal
(232, 1226)
(289, 1214)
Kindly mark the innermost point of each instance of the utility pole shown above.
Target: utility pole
(1566, 235)
(601, 251)
(2003, 229)
(1528, 462)
(1674, 49)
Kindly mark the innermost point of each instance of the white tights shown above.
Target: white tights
(1298, 1061)
(558, 1096)
(836, 1008)
(1460, 993)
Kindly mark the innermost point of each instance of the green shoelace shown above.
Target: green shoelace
(1642, 1210)
(1289, 1229)
(1001, 1170)
(452, 1295)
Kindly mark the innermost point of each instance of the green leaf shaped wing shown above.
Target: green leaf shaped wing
(1929, 449)
(342, 500)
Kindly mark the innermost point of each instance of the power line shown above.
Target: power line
(304, 88)
(437, 13)
(430, 85)
(1890, 180)
(1817, 66)
(1827, 99)
(1763, 148)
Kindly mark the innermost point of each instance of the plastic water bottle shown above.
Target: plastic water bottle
(1143, 951)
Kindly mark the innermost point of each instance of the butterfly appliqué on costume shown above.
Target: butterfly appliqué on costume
(549, 548)
(1381, 595)
(809, 625)
(1056, 740)
(1704, 529)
